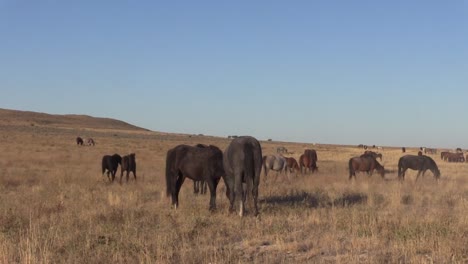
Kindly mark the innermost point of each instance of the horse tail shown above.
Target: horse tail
(170, 179)
(400, 166)
(351, 168)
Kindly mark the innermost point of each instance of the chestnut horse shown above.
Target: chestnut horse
(365, 163)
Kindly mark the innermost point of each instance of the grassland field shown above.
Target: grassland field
(56, 207)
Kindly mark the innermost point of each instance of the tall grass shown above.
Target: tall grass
(57, 207)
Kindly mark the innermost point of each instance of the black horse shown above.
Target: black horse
(79, 141)
(129, 165)
(196, 163)
(242, 163)
(419, 163)
(111, 163)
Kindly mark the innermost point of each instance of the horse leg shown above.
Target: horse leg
(195, 187)
(417, 176)
(121, 175)
(134, 174)
(212, 184)
(128, 174)
(175, 195)
(204, 185)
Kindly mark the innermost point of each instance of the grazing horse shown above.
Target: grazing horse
(242, 163)
(454, 157)
(129, 165)
(291, 164)
(373, 154)
(444, 154)
(419, 163)
(307, 164)
(79, 141)
(111, 163)
(366, 163)
(281, 150)
(430, 151)
(274, 162)
(90, 142)
(196, 163)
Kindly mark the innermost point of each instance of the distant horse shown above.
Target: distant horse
(273, 162)
(444, 154)
(430, 151)
(373, 154)
(403, 149)
(281, 150)
(129, 165)
(454, 157)
(307, 164)
(311, 153)
(420, 153)
(196, 163)
(199, 187)
(291, 164)
(90, 141)
(419, 163)
(459, 150)
(79, 141)
(111, 163)
(242, 163)
(365, 163)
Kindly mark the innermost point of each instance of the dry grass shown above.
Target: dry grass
(56, 207)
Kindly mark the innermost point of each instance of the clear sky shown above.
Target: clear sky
(344, 72)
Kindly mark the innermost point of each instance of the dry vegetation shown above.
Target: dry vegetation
(56, 207)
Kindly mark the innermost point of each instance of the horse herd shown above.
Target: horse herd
(240, 166)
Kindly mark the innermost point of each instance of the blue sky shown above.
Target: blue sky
(345, 72)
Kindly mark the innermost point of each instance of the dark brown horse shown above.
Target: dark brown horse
(373, 154)
(365, 163)
(111, 163)
(79, 141)
(196, 163)
(420, 153)
(129, 165)
(307, 164)
(243, 163)
(291, 164)
(403, 149)
(419, 163)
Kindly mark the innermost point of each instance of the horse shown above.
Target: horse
(403, 149)
(242, 163)
(311, 153)
(90, 142)
(430, 151)
(454, 157)
(291, 164)
(199, 187)
(420, 153)
(307, 164)
(281, 150)
(373, 154)
(459, 150)
(129, 165)
(111, 163)
(273, 162)
(419, 163)
(79, 141)
(366, 163)
(444, 154)
(196, 163)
